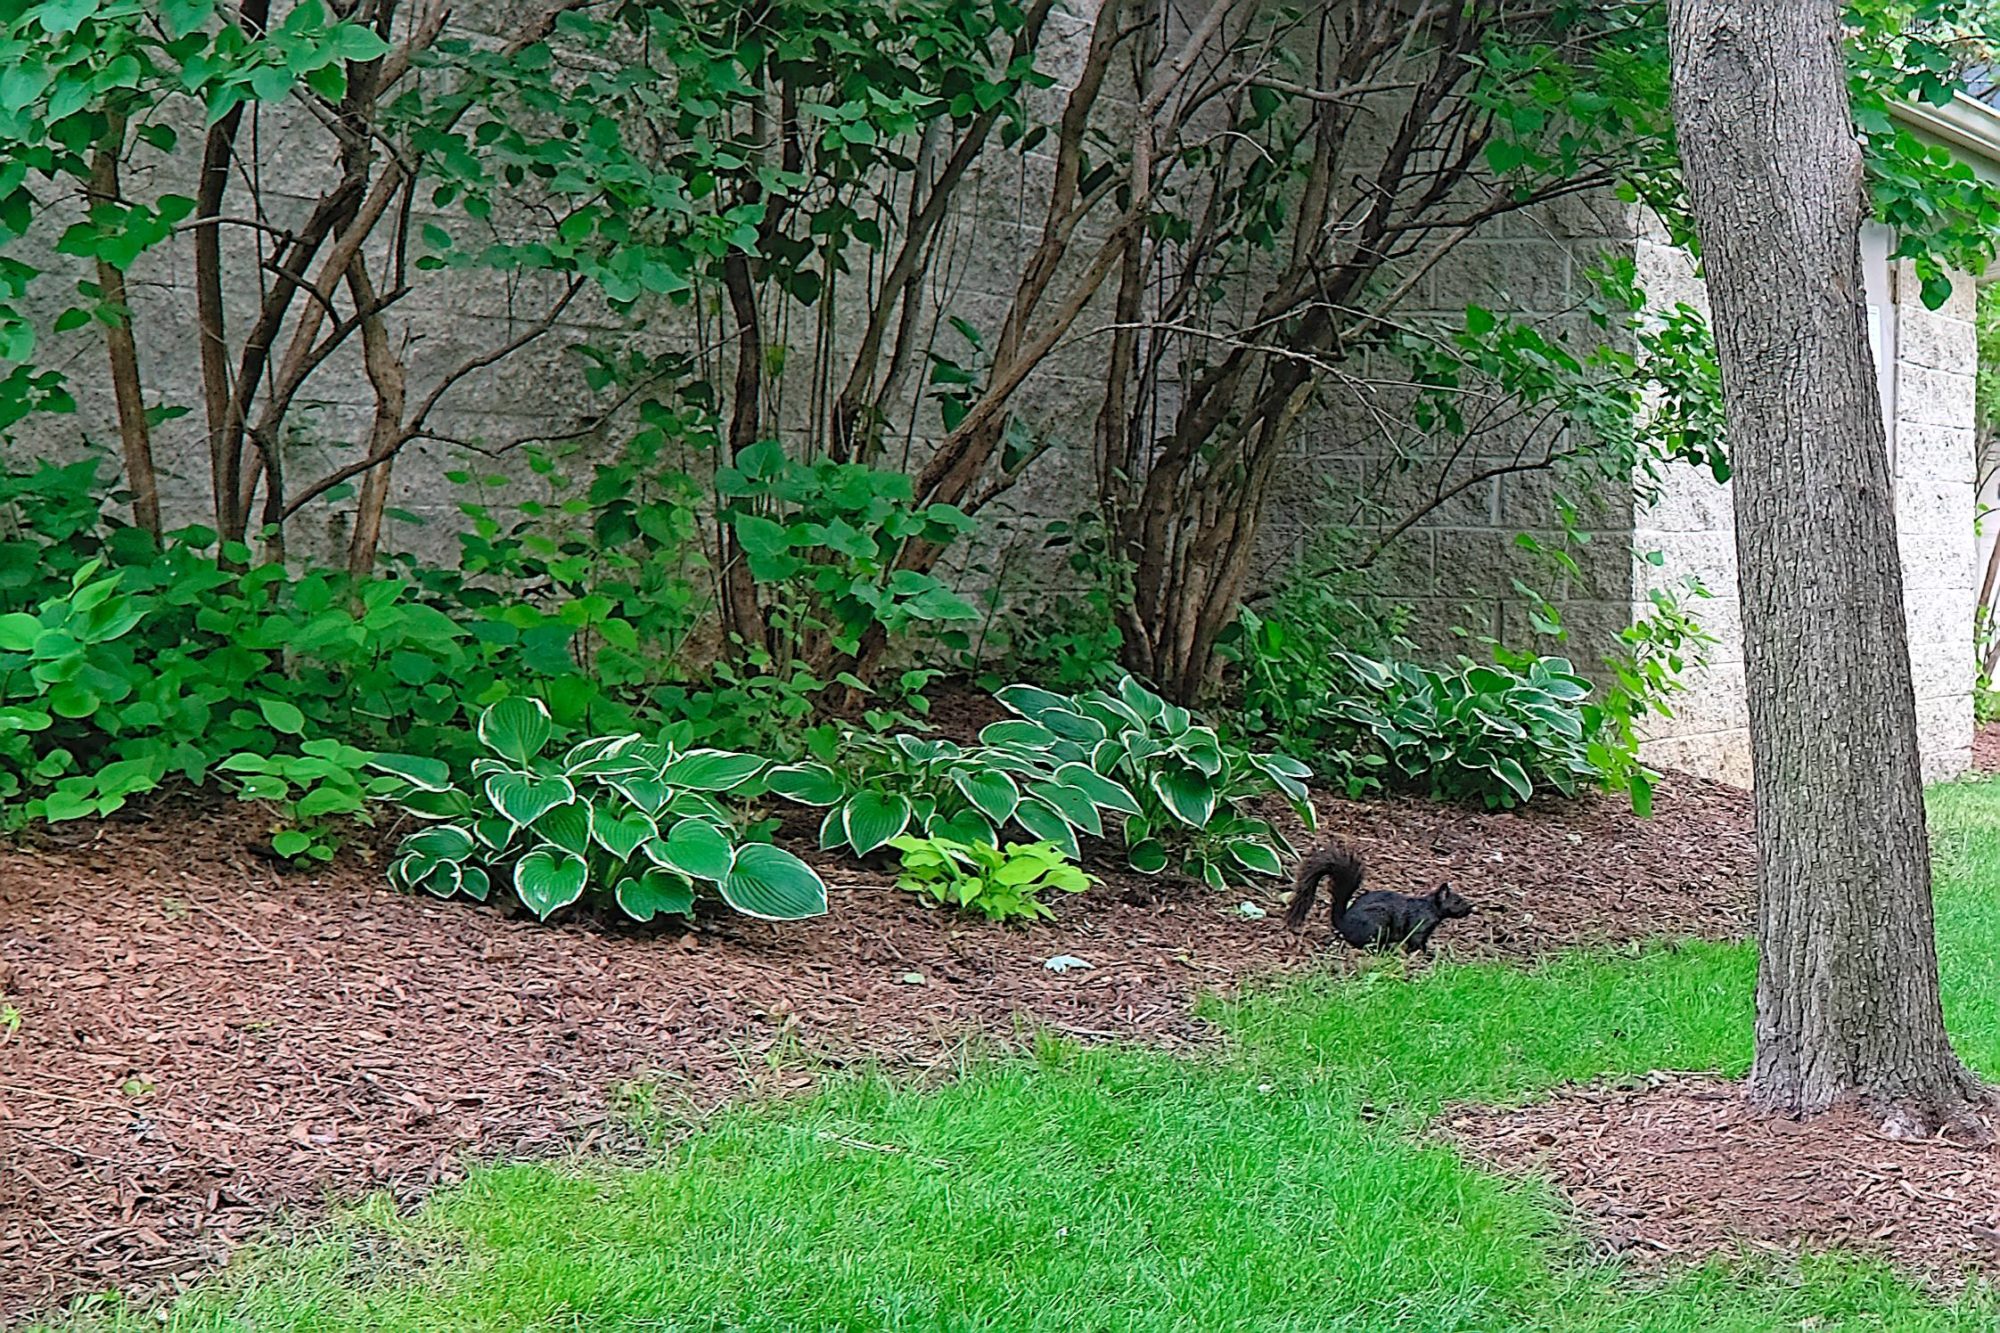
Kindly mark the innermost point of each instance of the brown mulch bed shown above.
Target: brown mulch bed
(206, 1039)
(1986, 748)
(1684, 1167)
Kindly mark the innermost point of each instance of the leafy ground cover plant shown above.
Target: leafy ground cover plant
(1196, 792)
(1488, 734)
(1099, 764)
(631, 823)
(1000, 883)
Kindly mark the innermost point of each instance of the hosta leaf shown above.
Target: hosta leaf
(1186, 794)
(1106, 793)
(695, 848)
(1256, 856)
(604, 757)
(1017, 733)
(655, 892)
(622, 832)
(450, 803)
(773, 885)
(515, 728)
(1147, 856)
(442, 842)
(423, 774)
(1047, 823)
(872, 818)
(1510, 772)
(473, 883)
(711, 770)
(993, 792)
(567, 826)
(1075, 805)
(1141, 700)
(648, 793)
(808, 784)
(1031, 702)
(696, 805)
(494, 833)
(548, 880)
(443, 880)
(523, 798)
(967, 826)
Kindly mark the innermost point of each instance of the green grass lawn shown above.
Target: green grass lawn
(1278, 1187)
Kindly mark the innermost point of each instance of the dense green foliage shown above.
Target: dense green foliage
(1125, 765)
(999, 883)
(627, 821)
(1305, 1139)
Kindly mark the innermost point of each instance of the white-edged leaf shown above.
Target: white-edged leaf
(992, 791)
(443, 881)
(696, 848)
(422, 773)
(548, 880)
(654, 892)
(1047, 823)
(440, 842)
(568, 826)
(771, 884)
(711, 770)
(1188, 795)
(1256, 856)
(516, 729)
(872, 818)
(1075, 805)
(648, 793)
(1147, 856)
(807, 784)
(474, 883)
(1105, 792)
(1031, 702)
(522, 798)
(623, 832)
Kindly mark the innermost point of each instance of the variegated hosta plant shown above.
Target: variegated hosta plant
(1196, 792)
(1099, 764)
(636, 823)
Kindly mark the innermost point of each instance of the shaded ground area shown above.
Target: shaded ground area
(1681, 1168)
(1986, 748)
(205, 1039)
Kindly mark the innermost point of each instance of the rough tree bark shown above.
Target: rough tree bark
(1847, 979)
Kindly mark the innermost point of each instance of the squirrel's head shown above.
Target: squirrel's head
(1450, 903)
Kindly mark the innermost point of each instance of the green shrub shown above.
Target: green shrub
(1484, 734)
(627, 822)
(1000, 883)
(877, 787)
(1126, 765)
(324, 781)
(1197, 793)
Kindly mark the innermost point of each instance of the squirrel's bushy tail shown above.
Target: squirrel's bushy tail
(1333, 862)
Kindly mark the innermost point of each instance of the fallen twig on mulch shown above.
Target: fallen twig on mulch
(1682, 1167)
(206, 1039)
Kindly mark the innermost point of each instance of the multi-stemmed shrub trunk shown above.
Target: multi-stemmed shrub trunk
(1847, 984)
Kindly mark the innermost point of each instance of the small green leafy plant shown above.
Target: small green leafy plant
(633, 823)
(325, 781)
(1000, 883)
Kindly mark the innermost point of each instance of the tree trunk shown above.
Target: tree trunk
(1847, 978)
(134, 433)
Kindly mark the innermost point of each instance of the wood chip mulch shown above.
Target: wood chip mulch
(1986, 748)
(194, 1040)
(1681, 1167)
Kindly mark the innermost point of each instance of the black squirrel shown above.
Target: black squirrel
(1374, 920)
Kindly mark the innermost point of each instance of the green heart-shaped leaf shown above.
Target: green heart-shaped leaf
(808, 784)
(649, 794)
(872, 818)
(1186, 794)
(992, 791)
(568, 827)
(421, 773)
(655, 893)
(548, 880)
(516, 728)
(622, 833)
(443, 842)
(773, 885)
(695, 848)
(522, 798)
(1047, 823)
